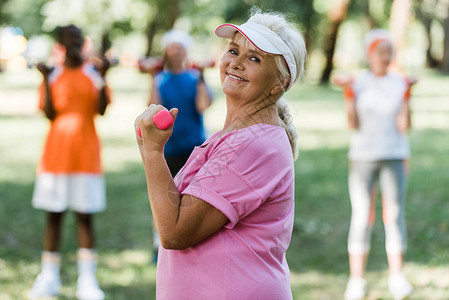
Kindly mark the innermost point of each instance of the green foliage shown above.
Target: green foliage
(377, 10)
(97, 17)
(201, 15)
(22, 13)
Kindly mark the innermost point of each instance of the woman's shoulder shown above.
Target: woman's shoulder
(259, 131)
(397, 78)
(193, 72)
(363, 78)
(56, 73)
(260, 140)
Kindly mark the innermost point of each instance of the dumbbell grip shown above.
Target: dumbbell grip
(162, 119)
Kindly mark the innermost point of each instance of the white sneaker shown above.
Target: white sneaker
(87, 288)
(399, 286)
(356, 288)
(45, 285)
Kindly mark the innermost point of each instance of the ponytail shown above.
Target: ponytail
(287, 121)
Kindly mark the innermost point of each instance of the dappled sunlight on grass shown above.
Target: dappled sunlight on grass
(429, 283)
(120, 273)
(308, 140)
(127, 267)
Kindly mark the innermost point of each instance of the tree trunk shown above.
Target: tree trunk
(105, 43)
(164, 19)
(372, 23)
(399, 21)
(151, 32)
(445, 61)
(173, 13)
(426, 21)
(336, 15)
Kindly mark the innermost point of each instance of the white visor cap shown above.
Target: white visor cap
(263, 39)
(377, 35)
(177, 36)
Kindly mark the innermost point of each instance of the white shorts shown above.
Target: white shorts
(82, 192)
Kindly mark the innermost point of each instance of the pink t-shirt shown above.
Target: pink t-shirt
(248, 175)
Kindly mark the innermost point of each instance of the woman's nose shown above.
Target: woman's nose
(237, 63)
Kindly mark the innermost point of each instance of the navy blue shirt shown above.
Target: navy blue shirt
(179, 90)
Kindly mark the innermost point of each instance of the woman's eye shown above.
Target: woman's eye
(233, 52)
(255, 59)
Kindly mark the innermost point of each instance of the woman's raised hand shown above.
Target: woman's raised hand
(44, 69)
(149, 136)
(343, 79)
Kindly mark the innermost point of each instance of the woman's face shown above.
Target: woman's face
(247, 73)
(380, 58)
(176, 53)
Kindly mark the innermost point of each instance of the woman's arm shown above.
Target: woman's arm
(48, 107)
(403, 120)
(154, 94)
(152, 66)
(345, 81)
(351, 108)
(103, 100)
(180, 221)
(351, 112)
(203, 99)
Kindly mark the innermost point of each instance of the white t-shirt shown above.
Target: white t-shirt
(378, 101)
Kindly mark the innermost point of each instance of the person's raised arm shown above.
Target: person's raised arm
(103, 99)
(154, 94)
(351, 113)
(152, 66)
(403, 120)
(203, 99)
(345, 81)
(48, 107)
(181, 221)
(351, 108)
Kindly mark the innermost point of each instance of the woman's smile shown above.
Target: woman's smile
(235, 77)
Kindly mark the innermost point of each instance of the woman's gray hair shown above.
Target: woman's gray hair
(294, 40)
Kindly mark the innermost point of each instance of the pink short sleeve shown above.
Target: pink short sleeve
(222, 187)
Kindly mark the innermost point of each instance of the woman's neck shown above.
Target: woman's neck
(73, 62)
(176, 68)
(379, 73)
(242, 116)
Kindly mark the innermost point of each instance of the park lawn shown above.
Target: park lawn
(317, 255)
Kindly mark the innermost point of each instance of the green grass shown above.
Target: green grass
(317, 255)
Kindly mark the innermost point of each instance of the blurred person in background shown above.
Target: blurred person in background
(69, 175)
(378, 110)
(176, 83)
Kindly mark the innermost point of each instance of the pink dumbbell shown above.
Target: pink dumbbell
(162, 119)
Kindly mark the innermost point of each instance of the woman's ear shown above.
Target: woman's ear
(276, 89)
(279, 87)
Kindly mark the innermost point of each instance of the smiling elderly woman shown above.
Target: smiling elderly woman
(226, 219)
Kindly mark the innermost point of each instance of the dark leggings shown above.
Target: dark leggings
(84, 226)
